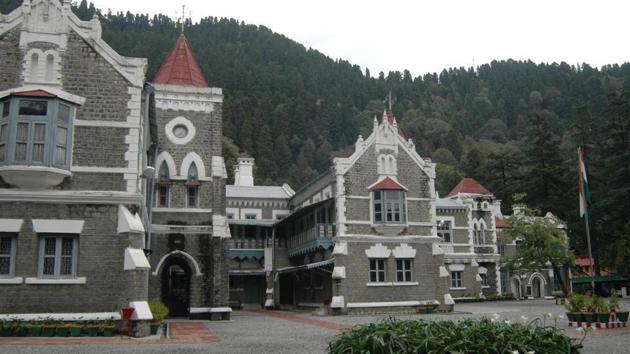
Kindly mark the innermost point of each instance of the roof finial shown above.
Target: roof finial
(183, 16)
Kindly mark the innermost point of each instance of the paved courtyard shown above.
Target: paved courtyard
(289, 332)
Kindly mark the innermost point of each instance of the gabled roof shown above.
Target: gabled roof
(180, 67)
(501, 223)
(469, 186)
(390, 120)
(443, 203)
(387, 183)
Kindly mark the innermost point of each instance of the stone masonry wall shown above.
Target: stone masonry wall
(12, 58)
(99, 146)
(100, 260)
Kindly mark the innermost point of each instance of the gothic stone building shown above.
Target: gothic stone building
(188, 223)
(73, 140)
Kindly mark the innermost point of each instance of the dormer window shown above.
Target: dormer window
(163, 186)
(192, 187)
(388, 202)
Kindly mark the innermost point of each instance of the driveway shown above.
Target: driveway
(289, 332)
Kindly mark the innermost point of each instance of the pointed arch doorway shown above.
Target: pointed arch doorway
(176, 275)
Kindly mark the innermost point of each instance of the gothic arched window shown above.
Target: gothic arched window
(192, 187)
(163, 186)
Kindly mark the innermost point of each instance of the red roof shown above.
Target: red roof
(34, 93)
(180, 67)
(390, 119)
(387, 183)
(501, 223)
(469, 186)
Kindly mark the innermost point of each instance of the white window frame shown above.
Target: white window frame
(58, 256)
(441, 231)
(11, 255)
(457, 279)
(376, 270)
(404, 267)
(383, 203)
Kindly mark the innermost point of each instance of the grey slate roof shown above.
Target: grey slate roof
(262, 192)
(445, 203)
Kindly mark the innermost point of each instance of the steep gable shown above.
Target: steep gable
(180, 67)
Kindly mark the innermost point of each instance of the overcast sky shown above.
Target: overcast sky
(427, 36)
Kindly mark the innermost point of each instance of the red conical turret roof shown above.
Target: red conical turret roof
(180, 67)
(469, 186)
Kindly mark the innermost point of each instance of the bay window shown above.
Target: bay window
(389, 206)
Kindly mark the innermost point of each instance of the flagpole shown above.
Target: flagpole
(590, 253)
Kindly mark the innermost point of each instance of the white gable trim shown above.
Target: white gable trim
(456, 267)
(164, 156)
(378, 251)
(188, 160)
(128, 222)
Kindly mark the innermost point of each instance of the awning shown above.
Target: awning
(307, 266)
(251, 222)
(312, 245)
(242, 254)
(599, 279)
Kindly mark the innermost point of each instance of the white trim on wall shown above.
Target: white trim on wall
(58, 226)
(164, 156)
(190, 258)
(188, 160)
(11, 225)
(190, 127)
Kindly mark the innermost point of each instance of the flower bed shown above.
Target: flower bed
(468, 336)
(50, 328)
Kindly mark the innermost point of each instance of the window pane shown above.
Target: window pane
(66, 266)
(61, 138)
(49, 265)
(4, 132)
(67, 246)
(399, 276)
(38, 153)
(33, 108)
(60, 155)
(64, 113)
(5, 246)
(22, 132)
(377, 195)
(192, 196)
(5, 265)
(49, 246)
(6, 108)
(39, 132)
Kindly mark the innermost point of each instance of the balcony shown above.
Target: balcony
(319, 236)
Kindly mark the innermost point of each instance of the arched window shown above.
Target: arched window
(163, 186)
(482, 233)
(50, 63)
(192, 187)
(34, 67)
(475, 234)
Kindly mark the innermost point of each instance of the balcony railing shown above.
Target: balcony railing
(310, 239)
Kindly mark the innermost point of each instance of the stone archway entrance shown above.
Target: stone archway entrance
(537, 287)
(176, 286)
(515, 286)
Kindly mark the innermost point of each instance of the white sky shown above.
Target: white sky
(427, 36)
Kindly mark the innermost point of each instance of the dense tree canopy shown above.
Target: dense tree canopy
(512, 125)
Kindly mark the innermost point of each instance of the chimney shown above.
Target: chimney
(244, 172)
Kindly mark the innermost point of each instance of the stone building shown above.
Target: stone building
(74, 133)
(252, 211)
(362, 236)
(188, 222)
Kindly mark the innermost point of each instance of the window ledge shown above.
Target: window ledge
(33, 177)
(459, 288)
(406, 283)
(15, 280)
(43, 281)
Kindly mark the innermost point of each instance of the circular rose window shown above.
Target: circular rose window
(180, 131)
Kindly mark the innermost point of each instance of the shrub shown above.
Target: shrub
(159, 311)
(468, 336)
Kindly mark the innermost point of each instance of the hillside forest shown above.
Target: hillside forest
(512, 125)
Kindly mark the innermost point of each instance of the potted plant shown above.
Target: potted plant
(34, 328)
(575, 307)
(622, 315)
(108, 328)
(601, 310)
(20, 329)
(48, 329)
(6, 329)
(91, 328)
(75, 329)
(62, 329)
(159, 311)
(591, 305)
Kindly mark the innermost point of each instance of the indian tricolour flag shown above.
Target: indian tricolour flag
(583, 189)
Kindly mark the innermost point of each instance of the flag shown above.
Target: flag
(583, 188)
